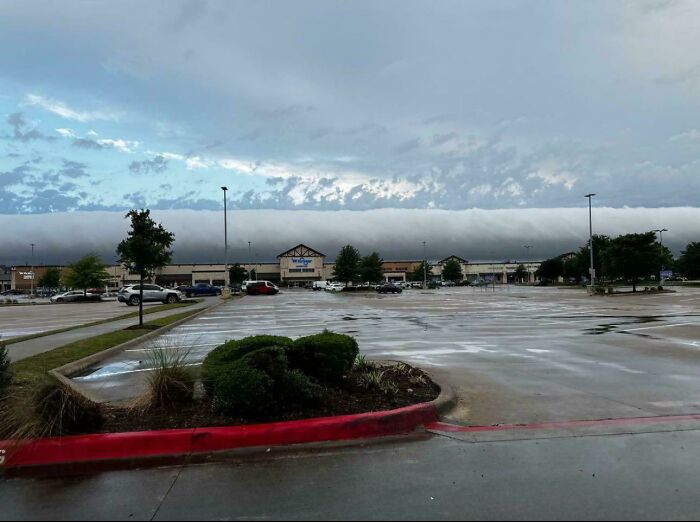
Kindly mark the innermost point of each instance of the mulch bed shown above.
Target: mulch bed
(346, 400)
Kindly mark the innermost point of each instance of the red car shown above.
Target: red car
(262, 288)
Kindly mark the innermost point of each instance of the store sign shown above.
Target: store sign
(27, 276)
(301, 262)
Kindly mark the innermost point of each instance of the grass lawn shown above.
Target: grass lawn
(147, 311)
(33, 371)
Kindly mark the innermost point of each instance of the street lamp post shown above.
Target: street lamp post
(33, 271)
(527, 259)
(661, 248)
(226, 274)
(425, 267)
(590, 244)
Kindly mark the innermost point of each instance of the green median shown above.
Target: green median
(147, 311)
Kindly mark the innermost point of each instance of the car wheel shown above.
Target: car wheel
(61, 300)
(172, 299)
(188, 295)
(135, 301)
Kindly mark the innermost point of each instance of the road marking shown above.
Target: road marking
(654, 327)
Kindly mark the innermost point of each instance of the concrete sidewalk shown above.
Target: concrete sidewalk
(635, 476)
(25, 349)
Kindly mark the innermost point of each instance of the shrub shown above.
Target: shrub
(171, 382)
(63, 411)
(327, 356)
(271, 360)
(242, 391)
(232, 351)
(296, 389)
(362, 365)
(5, 371)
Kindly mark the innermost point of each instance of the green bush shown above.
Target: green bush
(327, 356)
(232, 351)
(242, 391)
(62, 411)
(295, 389)
(5, 371)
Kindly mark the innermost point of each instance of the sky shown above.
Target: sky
(333, 106)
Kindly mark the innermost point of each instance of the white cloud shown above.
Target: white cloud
(553, 173)
(64, 111)
(692, 137)
(120, 145)
(66, 133)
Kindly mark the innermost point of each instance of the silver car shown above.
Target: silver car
(73, 296)
(131, 295)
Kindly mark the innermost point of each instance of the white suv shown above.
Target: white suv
(131, 295)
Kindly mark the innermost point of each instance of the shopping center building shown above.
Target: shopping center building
(298, 266)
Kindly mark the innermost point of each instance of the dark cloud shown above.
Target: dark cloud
(88, 144)
(21, 130)
(157, 165)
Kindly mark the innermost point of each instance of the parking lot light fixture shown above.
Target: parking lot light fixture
(590, 245)
(226, 274)
(661, 248)
(31, 293)
(425, 267)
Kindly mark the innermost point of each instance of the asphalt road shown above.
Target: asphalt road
(518, 355)
(643, 475)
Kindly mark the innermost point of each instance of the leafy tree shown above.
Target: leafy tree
(551, 269)
(347, 265)
(418, 273)
(689, 262)
(253, 275)
(51, 278)
(5, 371)
(521, 274)
(146, 248)
(633, 257)
(452, 271)
(88, 272)
(372, 268)
(237, 274)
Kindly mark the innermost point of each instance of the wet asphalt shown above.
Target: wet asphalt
(516, 355)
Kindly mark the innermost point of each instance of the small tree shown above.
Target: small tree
(51, 278)
(146, 248)
(521, 274)
(424, 269)
(237, 274)
(633, 257)
(88, 272)
(452, 271)
(689, 262)
(347, 265)
(372, 268)
(551, 269)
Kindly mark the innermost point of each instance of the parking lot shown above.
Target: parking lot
(514, 355)
(18, 321)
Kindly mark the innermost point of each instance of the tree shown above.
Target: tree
(420, 272)
(372, 268)
(237, 274)
(146, 248)
(88, 272)
(347, 265)
(51, 278)
(689, 262)
(452, 271)
(522, 274)
(5, 371)
(633, 257)
(551, 269)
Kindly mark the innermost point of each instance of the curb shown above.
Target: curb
(132, 448)
(105, 451)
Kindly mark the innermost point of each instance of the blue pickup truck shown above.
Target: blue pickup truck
(201, 290)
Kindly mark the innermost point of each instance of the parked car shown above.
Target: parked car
(262, 288)
(335, 287)
(11, 293)
(75, 296)
(131, 295)
(389, 288)
(202, 290)
(320, 285)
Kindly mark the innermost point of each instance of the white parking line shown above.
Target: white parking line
(654, 327)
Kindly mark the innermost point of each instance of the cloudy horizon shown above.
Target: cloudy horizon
(328, 107)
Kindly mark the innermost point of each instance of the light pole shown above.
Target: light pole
(32, 283)
(425, 267)
(590, 245)
(226, 274)
(527, 259)
(661, 248)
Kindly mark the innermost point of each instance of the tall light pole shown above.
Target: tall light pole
(425, 267)
(527, 259)
(226, 274)
(590, 244)
(661, 248)
(32, 283)
(250, 260)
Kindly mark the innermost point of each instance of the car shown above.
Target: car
(320, 285)
(262, 288)
(335, 287)
(389, 288)
(75, 296)
(202, 290)
(12, 293)
(131, 295)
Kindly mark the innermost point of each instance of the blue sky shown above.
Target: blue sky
(348, 105)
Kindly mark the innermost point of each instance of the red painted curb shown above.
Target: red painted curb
(173, 443)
